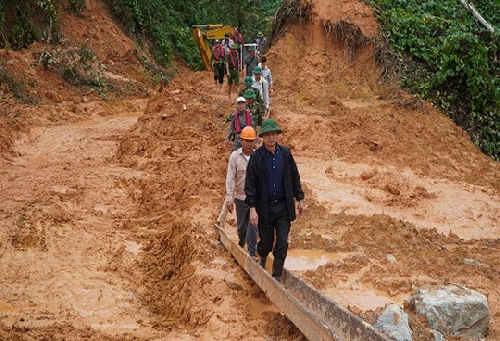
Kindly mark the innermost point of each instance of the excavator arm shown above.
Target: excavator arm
(203, 33)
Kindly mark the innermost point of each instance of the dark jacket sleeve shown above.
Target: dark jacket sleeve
(297, 187)
(251, 181)
(292, 185)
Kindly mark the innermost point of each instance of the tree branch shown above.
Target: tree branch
(476, 15)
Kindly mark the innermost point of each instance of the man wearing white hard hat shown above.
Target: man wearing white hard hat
(240, 118)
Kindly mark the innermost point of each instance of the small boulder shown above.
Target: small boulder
(394, 322)
(453, 310)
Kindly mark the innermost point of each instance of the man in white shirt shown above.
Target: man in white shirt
(266, 73)
(227, 42)
(235, 190)
(263, 87)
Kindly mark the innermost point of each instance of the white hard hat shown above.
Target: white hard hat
(241, 99)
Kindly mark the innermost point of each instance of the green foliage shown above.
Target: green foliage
(165, 25)
(76, 6)
(24, 22)
(77, 66)
(455, 60)
(16, 86)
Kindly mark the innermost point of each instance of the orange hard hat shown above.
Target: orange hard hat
(248, 133)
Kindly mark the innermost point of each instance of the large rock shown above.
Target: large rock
(394, 322)
(453, 309)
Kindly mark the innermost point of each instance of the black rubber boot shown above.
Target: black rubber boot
(241, 242)
(263, 261)
(278, 268)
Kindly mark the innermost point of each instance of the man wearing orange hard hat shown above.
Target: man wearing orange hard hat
(235, 190)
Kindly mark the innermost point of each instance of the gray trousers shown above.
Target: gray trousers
(246, 232)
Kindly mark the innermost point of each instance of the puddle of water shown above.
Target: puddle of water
(256, 309)
(364, 298)
(7, 307)
(298, 260)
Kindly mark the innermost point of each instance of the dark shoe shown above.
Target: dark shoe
(263, 261)
(254, 256)
(277, 267)
(241, 243)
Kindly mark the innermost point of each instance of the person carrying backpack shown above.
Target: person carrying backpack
(261, 43)
(240, 118)
(218, 60)
(250, 61)
(233, 68)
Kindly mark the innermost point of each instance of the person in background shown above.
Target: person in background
(250, 61)
(245, 92)
(255, 109)
(237, 36)
(272, 183)
(238, 40)
(261, 85)
(248, 83)
(266, 73)
(240, 118)
(261, 43)
(218, 60)
(233, 69)
(235, 191)
(227, 42)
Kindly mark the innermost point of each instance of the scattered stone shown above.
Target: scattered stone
(394, 322)
(392, 189)
(470, 261)
(437, 335)
(391, 258)
(453, 310)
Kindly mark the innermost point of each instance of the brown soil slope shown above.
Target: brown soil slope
(107, 224)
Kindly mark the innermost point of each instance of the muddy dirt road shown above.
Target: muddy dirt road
(107, 206)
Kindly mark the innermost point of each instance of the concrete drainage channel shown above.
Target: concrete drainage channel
(317, 316)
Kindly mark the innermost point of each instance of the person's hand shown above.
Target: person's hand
(254, 217)
(301, 206)
(228, 144)
(230, 206)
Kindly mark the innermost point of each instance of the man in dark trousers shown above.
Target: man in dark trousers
(272, 183)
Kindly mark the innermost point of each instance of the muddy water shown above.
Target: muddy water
(469, 211)
(299, 260)
(353, 293)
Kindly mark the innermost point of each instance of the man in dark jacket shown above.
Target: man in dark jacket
(272, 182)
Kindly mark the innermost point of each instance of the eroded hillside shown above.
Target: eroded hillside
(107, 223)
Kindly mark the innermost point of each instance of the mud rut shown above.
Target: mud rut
(62, 201)
(72, 240)
(71, 262)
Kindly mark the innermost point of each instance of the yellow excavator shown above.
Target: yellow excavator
(203, 33)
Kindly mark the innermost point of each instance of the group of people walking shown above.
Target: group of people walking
(262, 184)
(262, 181)
(227, 60)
